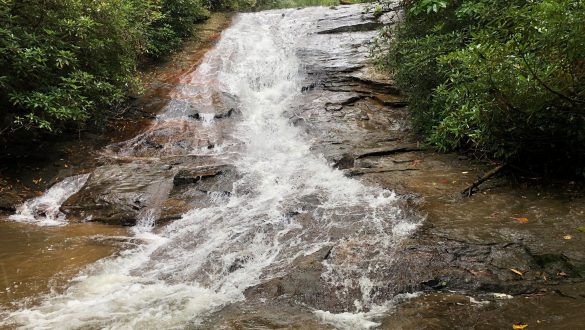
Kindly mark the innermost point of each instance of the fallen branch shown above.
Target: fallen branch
(469, 190)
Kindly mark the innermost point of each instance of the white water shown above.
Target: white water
(289, 203)
(44, 210)
(362, 320)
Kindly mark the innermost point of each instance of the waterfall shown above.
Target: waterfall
(44, 210)
(286, 204)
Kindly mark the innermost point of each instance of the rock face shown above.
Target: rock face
(198, 187)
(165, 171)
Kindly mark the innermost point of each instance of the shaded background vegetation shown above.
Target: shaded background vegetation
(64, 62)
(501, 79)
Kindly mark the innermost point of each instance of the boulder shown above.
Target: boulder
(119, 194)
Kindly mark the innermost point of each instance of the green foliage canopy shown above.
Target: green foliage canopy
(69, 61)
(505, 79)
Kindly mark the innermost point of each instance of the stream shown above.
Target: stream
(279, 186)
(269, 204)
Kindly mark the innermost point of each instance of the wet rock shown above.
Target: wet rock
(309, 87)
(187, 176)
(119, 194)
(302, 284)
(218, 178)
(262, 315)
(238, 264)
(344, 161)
(9, 201)
(225, 104)
(216, 115)
(227, 114)
(153, 145)
(198, 187)
(459, 265)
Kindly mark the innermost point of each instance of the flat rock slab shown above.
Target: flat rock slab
(117, 194)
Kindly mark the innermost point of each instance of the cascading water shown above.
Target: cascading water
(287, 204)
(44, 210)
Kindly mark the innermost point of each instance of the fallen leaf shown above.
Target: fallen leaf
(517, 272)
(561, 274)
(567, 237)
(464, 172)
(581, 229)
(519, 326)
(521, 220)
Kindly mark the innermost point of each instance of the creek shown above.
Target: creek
(279, 186)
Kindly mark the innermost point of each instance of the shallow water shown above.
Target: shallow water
(35, 259)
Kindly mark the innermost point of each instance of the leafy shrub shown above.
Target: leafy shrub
(217, 5)
(62, 59)
(64, 62)
(505, 79)
(174, 23)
